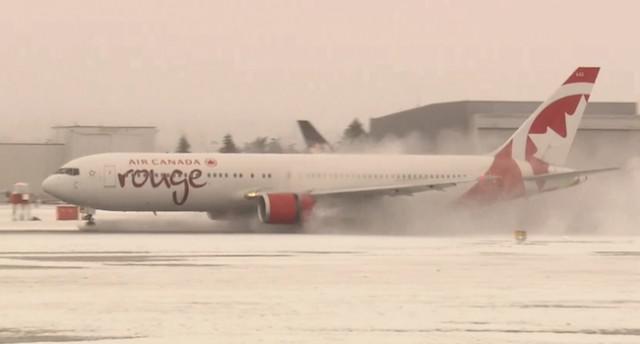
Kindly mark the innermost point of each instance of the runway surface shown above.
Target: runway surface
(68, 286)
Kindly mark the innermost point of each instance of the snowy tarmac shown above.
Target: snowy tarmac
(62, 285)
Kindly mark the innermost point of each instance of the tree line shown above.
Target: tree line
(353, 137)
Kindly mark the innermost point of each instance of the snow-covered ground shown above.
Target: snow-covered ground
(46, 219)
(65, 285)
(107, 220)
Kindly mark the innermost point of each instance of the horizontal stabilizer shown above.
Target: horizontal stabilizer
(568, 174)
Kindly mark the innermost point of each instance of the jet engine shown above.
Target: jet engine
(284, 208)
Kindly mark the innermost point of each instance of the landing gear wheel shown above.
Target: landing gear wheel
(90, 220)
(88, 216)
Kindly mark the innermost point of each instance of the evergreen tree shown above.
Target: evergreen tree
(259, 145)
(354, 133)
(228, 146)
(274, 146)
(291, 149)
(183, 145)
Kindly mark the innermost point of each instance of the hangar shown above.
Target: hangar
(32, 162)
(609, 133)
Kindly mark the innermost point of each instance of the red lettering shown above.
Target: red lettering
(184, 183)
(193, 175)
(143, 175)
(123, 176)
(176, 178)
(164, 179)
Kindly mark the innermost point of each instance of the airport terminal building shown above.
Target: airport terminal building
(609, 133)
(32, 162)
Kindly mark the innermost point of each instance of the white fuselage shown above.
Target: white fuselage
(218, 183)
(286, 186)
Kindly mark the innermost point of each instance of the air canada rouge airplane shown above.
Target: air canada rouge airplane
(284, 188)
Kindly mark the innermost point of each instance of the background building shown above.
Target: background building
(32, 162)
(609, 133)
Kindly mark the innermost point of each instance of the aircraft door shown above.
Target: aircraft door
(109, 176)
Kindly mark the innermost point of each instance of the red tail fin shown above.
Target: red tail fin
(544, 138)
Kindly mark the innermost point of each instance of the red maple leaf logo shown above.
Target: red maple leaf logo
(211, 162)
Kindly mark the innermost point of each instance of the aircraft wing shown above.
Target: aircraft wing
(569, 174)
(407, 189)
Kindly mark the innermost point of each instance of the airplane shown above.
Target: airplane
(316, 143)
(285, 188)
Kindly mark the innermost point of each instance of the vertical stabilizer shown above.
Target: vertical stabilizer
(314, 140)
(545, 138)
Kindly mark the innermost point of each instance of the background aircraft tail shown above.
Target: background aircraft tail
(314, 140)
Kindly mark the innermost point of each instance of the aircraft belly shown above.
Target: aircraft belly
(147, 198)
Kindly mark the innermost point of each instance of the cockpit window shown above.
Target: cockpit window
(71, 171)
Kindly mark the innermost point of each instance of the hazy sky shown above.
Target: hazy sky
(251, 68)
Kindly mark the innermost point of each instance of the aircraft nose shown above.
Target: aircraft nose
(62, 187)
(51, 185)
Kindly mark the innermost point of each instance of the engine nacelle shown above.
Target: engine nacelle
(284, 208)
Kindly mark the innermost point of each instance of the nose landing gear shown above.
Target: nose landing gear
(90, 221)
(88, 216)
